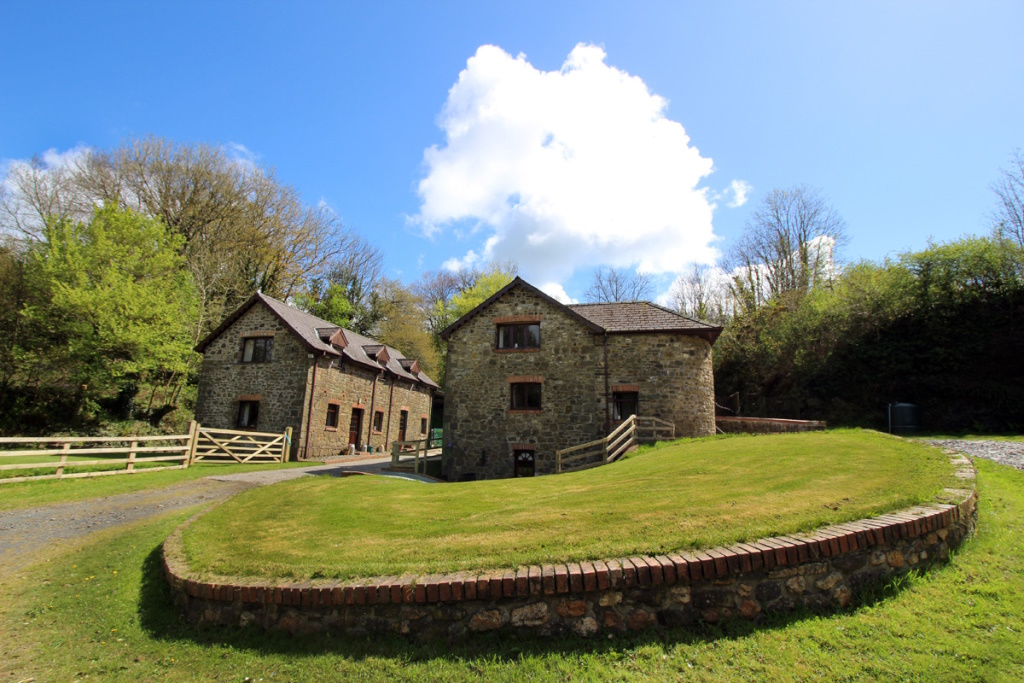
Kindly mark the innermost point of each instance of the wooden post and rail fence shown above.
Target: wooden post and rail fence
(141, 453)
(599, 452)
(417, 450)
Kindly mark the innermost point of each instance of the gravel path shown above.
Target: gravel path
(28, 534)
(1004, 452)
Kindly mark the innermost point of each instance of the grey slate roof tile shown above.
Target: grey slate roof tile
(313, 331)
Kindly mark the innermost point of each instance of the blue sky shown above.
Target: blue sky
(901, 113)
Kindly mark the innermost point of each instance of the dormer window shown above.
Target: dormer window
(519, 336)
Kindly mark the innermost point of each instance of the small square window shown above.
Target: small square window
(624, 404)
(525, 396)
(257, 349)
(519, 336)
(248, 414)
(333, 410)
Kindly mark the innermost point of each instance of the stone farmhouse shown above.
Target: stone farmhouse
(528, 375)
(269, 366)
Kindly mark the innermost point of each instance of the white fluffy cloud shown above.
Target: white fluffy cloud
(565, 169)
(740, 191)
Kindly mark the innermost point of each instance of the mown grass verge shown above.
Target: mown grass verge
(103, 613)
(693, 494)
(33, 493)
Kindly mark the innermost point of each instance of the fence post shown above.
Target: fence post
(63, 459)
(193, 441)
(286, 446)
(131, 456)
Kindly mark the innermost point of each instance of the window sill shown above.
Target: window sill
(376, 433)
(525, 411)
(330, 429)
(534, 349)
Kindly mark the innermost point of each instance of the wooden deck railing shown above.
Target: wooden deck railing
(609, 449)
(416, 450)
(141, 453)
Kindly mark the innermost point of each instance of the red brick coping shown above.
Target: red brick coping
(914, 532)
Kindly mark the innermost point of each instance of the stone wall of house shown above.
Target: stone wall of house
(278, 384)
(282, 386)
(355, 387)
(481, 431)
(672, 374)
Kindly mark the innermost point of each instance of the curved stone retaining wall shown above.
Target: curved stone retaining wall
(821, 570)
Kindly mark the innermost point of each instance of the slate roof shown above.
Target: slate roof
(612, 318)
(638, 316)
(314, 333)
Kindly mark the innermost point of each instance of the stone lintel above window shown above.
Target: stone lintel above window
(250, 397)
(523, 446)
(532, 379)
(257, 333)
(514, 319)
(626, 387)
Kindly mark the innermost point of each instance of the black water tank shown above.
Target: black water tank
(904, 418)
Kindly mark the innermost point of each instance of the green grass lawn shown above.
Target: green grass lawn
(692, 494)
(102, 613)
(45, 492)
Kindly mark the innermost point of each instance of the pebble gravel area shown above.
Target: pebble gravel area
(27, 535)
(1004, 452)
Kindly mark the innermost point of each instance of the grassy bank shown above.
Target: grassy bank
(102, 613)
(692, 494)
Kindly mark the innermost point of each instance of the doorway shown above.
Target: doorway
(525, 464)
(403, 423)
(355, 428)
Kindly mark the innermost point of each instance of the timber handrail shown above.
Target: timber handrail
(420, 447)
(612, 447)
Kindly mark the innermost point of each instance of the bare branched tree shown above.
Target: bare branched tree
(789, 245)
(244, 229)
(702, 292)
(1009, 213)
(612, 284)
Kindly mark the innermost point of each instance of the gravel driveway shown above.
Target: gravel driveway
(1004, 452)
(28, 534)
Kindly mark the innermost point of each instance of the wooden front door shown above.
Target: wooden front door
(403, 422)
(355, 428)
(525, 464)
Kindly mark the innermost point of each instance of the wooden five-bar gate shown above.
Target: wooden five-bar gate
(95, 456)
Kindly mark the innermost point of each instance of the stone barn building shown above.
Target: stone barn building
(527, 375)
(269, 366)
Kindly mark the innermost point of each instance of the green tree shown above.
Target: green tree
(488, 284)
(326, 300)
(113, 300)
